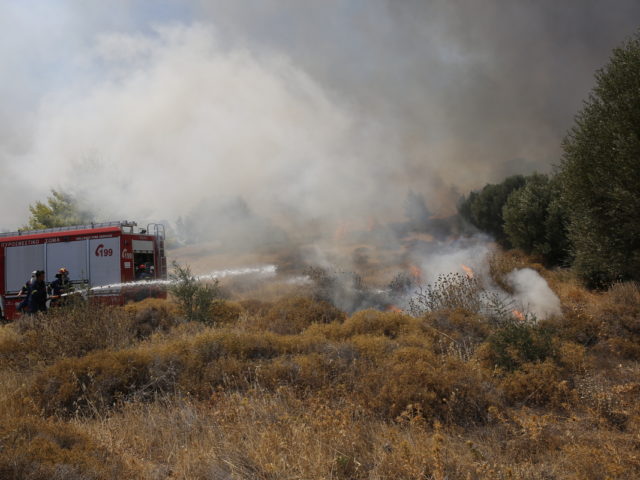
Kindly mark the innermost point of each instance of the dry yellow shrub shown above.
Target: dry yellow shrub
(572, 356)
(91, 384)
(378, 395)
(72, 331)
(374, 322)
(224, 312)
(157, 303)
(255, 307)
(538, 384)
(293, 315)
(456, 331)
(37, 449)
(373, 348)
(619, 311)
(444, 388)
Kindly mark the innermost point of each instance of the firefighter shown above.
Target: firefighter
(37, 299)
(60, 286)
(141, 272)
(26, 291)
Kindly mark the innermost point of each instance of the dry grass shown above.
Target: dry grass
(293, 389)
(293, 315)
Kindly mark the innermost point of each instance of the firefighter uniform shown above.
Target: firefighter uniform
(38, 295)
(60, 286)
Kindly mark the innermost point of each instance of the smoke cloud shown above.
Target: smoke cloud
(441, 258)
(307, 111)
(532, 292)
(187, 121)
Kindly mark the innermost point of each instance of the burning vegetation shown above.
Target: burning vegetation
(270, 385)
(392, 352)
(416, 349)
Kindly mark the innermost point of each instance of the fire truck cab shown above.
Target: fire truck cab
(100, 258)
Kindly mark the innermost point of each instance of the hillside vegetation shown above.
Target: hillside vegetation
(586, 213)
(294, 388)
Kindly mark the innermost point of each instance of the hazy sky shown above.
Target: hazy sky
(322, 109)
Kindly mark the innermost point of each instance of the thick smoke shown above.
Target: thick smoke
(473, 91)
(177, 120)
(177, 123)
(306, 110)
(471, 256)
(533, 294)
(441, 258)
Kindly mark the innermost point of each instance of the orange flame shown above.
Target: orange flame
(416, 273)
(395, 309)
(467, 270)
(341, 231)
(519, 315)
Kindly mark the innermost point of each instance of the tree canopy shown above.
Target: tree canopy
(535, 221)
(589, 212)
(600, 173)
(61, 210)
(483, 209)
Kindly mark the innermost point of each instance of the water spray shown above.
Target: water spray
(264, 271)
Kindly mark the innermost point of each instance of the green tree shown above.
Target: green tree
(600, 173)
(483, 209)
(534, 219)
(61, 210)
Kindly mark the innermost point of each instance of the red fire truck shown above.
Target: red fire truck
(100, 258)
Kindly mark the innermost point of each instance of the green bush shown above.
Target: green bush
(516, 344)
(195, 297)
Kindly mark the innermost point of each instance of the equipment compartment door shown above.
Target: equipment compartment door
(70, 255)
(104, 261)
(20, 262)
